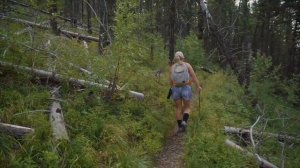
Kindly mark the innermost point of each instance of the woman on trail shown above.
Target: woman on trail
(182, 76)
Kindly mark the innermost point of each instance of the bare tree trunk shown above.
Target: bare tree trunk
(200, 24)
(65, 32)
(88, 11)
(103, 32)
(248, 67)
(263, 163)
(59, 78)
(15, 130)
(223, 43)
(246, 133)
(172, 18)
(53, 22)
(57, 117)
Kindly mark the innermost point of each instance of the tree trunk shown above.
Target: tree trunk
(247, 66)
(58, 78)
(172, 17)
(15, 130)
(246, 132)
(65, 32)
(103, 30)
(200, 24)
(263, 163)
(88, 11)
(57, 118)
(223, 43)
(53, 22)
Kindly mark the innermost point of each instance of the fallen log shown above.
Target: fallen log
(15, 130)
(81, 25)
(263, 162)
(57, 117)
(57, 77)
(65, 32)
(205, 69)
(79, 36)
(56, 56)
(246, 133)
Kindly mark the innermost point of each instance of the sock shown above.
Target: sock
(185, 117)
(179, 122)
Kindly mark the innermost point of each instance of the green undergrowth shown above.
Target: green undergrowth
(224, 103)
(221, 105)
(118, 131)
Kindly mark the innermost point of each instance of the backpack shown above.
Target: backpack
(180, 73)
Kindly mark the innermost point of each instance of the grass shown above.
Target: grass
(220, 106)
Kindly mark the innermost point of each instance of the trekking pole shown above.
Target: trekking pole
(199, 102)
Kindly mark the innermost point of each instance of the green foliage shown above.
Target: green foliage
(221, 104)
(192, 48)
(124, 132)
(120, 133)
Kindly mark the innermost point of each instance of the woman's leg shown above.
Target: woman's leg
(178, 104)
(187, 107)
(186, 110)
(187, 101)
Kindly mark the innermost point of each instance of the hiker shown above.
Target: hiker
(182, 76)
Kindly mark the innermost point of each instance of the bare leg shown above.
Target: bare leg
(187, 106)
(178, 104)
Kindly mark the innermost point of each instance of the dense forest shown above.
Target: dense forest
(83, 83)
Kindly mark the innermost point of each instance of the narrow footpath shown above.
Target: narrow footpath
(173, 152)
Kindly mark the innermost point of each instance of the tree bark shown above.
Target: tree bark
(89, 23)
(53, 22)
(15, 130)
(200, 24)
(223, 43)
(263, 163)
(56, 117)
(246, 132)
(172, 16)
(65, 32)
(59, 78)
(104, 30)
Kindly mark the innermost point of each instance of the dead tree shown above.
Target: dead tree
(15, 130)
(172, 17)
(262, 162)
(58, 78)
(53, 22)
(246, 133)
(57, 117)
(65, 32)
(222, 42)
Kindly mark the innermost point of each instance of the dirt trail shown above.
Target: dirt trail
(173, 152)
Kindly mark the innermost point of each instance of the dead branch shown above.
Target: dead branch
(65, 32)
(56, 56)
(206, 69)
(57, 77)
(57, 117)
(262, 161)
(246, 133)
(15, 130)
(48, 13)
(251, 133)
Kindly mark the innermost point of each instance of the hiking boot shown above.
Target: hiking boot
(183, 126)
(180, 129)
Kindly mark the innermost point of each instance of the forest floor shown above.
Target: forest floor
(172, 154)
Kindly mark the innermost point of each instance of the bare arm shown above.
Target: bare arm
(194, 77)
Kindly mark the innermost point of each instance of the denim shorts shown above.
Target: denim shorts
(182, 92)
